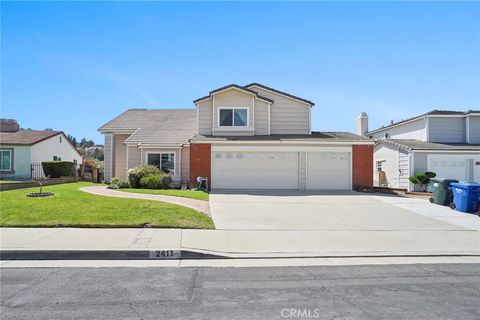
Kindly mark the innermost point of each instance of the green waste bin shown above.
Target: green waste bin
(442, 191)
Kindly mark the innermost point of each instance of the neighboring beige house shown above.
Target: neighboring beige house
(441, 141)
(239, 137)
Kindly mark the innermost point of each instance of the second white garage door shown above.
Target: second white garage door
(255, 170)
(328, 170)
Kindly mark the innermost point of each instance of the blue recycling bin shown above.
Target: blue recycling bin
(465, 196)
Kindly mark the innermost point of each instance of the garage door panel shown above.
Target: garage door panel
(455, 166)
(255, 170)
(328, 170)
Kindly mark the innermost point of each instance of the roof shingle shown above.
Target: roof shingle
(26, 137)
(155, 126)
(413, 144)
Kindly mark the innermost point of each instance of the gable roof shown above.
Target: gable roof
(149, 126)
(232, 86)
(430, 113)
(255, 84)
(26, 137)
(414, 144)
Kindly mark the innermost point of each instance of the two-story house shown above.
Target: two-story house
(239, 137)
(444, 142)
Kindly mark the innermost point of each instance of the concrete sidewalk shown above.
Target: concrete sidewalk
(240, 243)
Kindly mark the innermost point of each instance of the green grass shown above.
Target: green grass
(74, 208)
(193, 194)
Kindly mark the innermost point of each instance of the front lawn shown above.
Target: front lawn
(194, 194)
(74, 208)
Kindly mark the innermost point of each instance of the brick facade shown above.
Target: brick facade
(362, 165)
(200, 162)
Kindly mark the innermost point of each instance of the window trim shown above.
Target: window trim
(11, 169)
(164, 152)
(379, 164)
(233, 126)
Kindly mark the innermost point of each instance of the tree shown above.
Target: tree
(98, 154)
(72, 140)
(48, 129)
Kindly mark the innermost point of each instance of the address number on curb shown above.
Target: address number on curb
(164, 254)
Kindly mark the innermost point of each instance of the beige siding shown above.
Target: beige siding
(120, 158)
(204, 110)
(108, 157)
(185, 164)
(134, 157)
(261, 117)
(233, 98)
(233, 133)
(287, 116)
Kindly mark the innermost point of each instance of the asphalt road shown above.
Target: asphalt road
(441, 291)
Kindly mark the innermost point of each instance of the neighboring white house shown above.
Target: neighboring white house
(20, 148)
(444, 142)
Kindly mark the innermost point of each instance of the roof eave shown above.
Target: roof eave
(256, 84)
(229, 87)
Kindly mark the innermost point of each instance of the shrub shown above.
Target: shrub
(123, 184)
(136, 174)
(156, 181)
(422, 178)
(413, 180)
(430, 175)
(119, 183)
(57, 169)
(167, 181)
(152, 181)
(113, 186)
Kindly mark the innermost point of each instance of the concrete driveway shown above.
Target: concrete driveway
(328, 210)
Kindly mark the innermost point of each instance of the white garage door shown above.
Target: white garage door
(328, 170)
(455, 166)
(255, 170)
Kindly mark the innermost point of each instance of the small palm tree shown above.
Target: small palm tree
(41, 182)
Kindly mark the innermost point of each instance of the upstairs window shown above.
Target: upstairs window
(233, 117)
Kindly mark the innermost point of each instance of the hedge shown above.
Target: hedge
(57, 169)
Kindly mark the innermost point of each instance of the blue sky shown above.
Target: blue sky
(74, 66)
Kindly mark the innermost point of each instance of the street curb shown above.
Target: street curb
(105, 255)
(167, 254)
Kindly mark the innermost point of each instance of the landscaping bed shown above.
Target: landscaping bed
(71, 207)
(192, 194)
